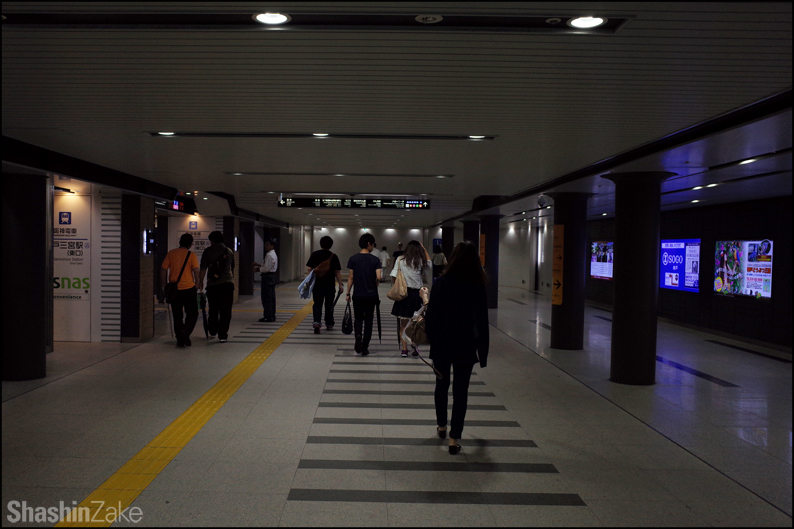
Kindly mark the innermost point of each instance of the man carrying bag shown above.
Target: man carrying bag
(327, 268)
(180, 292)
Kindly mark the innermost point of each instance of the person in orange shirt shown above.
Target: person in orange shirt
(184, 268)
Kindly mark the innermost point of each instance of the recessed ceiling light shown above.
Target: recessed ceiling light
(476, 137)
(272, 18)
(696, 188)
(205, 198)
(712, 185)
(695, 201)
(751, 160)
(603, 214)
(586, 22)
(165, 133)
(320, 134)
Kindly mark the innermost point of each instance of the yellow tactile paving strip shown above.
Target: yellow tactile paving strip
(102, 506)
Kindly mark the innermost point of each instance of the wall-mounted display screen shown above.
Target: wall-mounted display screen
(601, 260)
(743, 268)
(680, 264)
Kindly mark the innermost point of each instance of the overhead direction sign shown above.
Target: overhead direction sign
(382, 203)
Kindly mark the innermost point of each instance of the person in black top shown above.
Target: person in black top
(456, 322)
(365, 271)
(220, 285)
(323, 291)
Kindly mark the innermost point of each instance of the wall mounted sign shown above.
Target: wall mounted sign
(71, 250)
(679, 265)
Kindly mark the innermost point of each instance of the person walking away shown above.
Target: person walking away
(268, 274)
(182, 265)
(217, 264)
(456, 322)
(365, 270)
(414, 263)
(439, 261)
(326, 268)
(397, 253)
(385, 260)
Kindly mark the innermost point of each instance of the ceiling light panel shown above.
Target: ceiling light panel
(338, 175)
(320, 135)
(419, 22)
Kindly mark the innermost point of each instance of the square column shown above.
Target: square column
(636, 276)
(28, 269)
(569, 262)
(490, 231)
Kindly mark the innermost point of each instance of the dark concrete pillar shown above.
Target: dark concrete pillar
(160, 251)
(447, 240)
(27, 269)
(471, 232)
(246, 255)
(231, 233)
(636, 276)
(137, 270)
(490, 229)
(569, 265)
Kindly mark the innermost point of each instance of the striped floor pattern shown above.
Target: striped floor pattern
(373, 440)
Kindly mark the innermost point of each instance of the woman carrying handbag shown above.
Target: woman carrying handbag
(413, 264)
(456, 322)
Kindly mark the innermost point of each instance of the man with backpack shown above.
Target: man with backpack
(326, 267)
(217, 263)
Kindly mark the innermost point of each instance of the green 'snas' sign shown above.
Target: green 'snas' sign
(71, 283)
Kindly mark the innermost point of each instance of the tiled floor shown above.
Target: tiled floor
(321, 436)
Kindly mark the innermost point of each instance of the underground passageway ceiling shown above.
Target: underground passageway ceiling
(399, 99)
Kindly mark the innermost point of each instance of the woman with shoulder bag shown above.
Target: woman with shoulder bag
(414, 263)
(456, 322)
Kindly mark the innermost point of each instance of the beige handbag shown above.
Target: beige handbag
(399, 289)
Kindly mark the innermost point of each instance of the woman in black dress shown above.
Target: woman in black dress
(457, 327)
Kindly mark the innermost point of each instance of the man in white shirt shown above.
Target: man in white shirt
(385, 260)
(268, 274)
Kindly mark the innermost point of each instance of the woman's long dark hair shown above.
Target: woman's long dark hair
(464, 264)
(414, 255)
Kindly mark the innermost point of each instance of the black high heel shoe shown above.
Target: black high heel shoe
(442, 434)
(454, 449)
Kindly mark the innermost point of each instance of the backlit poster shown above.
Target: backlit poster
(743, 268)
(71, 250)
(680, 264)
(601, 255)
(200, 241)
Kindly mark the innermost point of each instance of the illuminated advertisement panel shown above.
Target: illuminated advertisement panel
(601, 255)
(680, 264)
(743, 268)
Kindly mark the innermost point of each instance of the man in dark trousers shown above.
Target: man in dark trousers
(326, 268)
(268, 273)
(365, 271)
(218, 259)
(182, 265)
